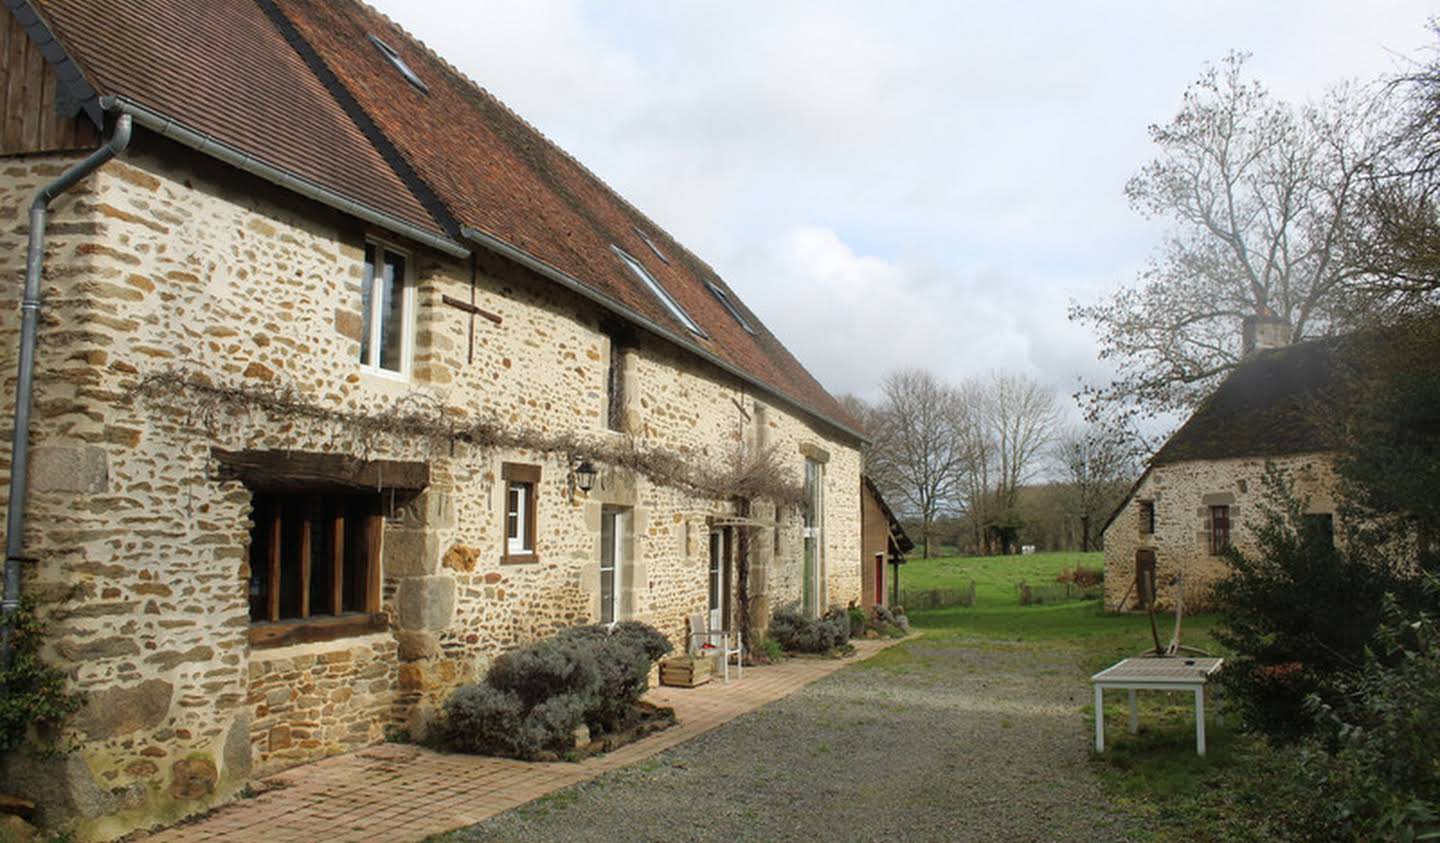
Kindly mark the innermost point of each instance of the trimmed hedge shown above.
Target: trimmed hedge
(533, 699)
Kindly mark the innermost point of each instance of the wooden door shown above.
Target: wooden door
(1145, 577)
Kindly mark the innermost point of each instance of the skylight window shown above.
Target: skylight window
(651, 243)
(400, 65)
(730, 307)
(670, 304)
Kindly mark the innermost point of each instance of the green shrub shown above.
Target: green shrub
(769, 649)
(31, 691)
(1298, 615)
(858, 621)
(533, 698)
(799, 634)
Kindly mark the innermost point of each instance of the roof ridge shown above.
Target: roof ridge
(488, 94)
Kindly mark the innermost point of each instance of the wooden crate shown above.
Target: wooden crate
(685, 672)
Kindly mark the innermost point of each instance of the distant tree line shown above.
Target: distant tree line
(962, 463)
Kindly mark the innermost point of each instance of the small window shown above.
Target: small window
(615, 384)
(671, 305)
(387, 302)
(1319, 528)
(1147, 518)
(314, 558)
(521, 484)
(730, 307)
(1219, 529)
(651, 243)
(612, 536)
(399, 63)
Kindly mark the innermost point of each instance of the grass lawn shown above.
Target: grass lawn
(1155, 774)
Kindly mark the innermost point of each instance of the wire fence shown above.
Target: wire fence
(1058, 592)
(937, 598)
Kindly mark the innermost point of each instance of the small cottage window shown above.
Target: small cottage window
(1219, 529)
(1320, 528)
(612, 537)
(315, 562)
(521, 485)
(387, 305)
(615, 380)
(1147, 518)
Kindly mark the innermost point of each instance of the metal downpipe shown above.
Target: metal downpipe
(25, 382)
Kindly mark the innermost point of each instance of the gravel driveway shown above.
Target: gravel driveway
(940, 739)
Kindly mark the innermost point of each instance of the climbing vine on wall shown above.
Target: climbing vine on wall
(424, 419)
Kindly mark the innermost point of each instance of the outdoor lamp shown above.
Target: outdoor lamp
(585, 476)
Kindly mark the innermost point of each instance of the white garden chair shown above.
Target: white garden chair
(705, 641)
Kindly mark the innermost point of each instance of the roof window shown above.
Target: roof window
(399, 63)
(730, 307)
(670, 304)
(651, 243)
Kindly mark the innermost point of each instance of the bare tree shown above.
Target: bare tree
(1097, 469)
(917, 457)
(1007, 423)
(1260, 193)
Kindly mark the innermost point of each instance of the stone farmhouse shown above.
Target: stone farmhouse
(347, 379)
(1199, 492)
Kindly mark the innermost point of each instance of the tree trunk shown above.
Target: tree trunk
(743, 617)
(1084, 534)
(925, 537)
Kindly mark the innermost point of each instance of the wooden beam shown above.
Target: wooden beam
(374, 527)
(471, 309)
(316, 629)
(302, 470)
(272, 586)
(337, 561)
(306, 525)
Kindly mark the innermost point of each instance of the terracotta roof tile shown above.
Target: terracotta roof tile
(226, 68)
(222, 68)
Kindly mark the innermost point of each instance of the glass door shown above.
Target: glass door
(716, 578)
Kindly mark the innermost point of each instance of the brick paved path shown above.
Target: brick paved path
(399, 792)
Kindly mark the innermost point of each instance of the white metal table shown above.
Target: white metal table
(1154, 674)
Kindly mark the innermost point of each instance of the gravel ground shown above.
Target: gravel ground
(932, 740)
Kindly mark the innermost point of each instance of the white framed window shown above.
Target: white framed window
(521, 485)
(639, 270)
(387, 311)
(612, 567)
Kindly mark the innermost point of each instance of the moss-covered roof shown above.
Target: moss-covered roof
(1264, 408)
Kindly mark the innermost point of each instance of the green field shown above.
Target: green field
(1156, 774)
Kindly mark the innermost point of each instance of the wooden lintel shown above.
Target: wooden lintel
(317, 629)
(471, 309)
(299, 470)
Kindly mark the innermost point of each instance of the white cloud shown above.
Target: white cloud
(926, 183)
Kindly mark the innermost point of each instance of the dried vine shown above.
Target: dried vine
(419, 417)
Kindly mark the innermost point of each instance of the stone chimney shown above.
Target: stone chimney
(1263, 331)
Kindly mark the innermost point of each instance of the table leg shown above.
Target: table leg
(1134, 714)
(1200, 720)
(1099, 719)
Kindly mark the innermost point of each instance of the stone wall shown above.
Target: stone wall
(168, 261)
(1183, 494)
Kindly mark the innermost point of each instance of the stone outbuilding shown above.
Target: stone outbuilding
(347, 380)
(883, 543)
(1200, 492)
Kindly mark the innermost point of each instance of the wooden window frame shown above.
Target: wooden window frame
(274, 631)
(1219, 528)
(512, 473)
(1146, 515)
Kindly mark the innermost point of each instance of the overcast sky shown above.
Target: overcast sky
(893, 184)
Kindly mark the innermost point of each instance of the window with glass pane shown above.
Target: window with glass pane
(517, 516)
(385, 304)
(609, 535)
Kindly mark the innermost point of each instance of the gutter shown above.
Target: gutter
(25, 381)
(524, 258)
(221, 151)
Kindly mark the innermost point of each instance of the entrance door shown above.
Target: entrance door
(611, 569)
(814, 515)
(716, 578)
(879, 579)
(1145, 577)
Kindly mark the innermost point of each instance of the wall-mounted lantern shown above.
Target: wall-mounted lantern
(585, 476)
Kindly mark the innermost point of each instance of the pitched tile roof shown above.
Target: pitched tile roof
(1265, 408)
(224, 70)
(300, 85)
